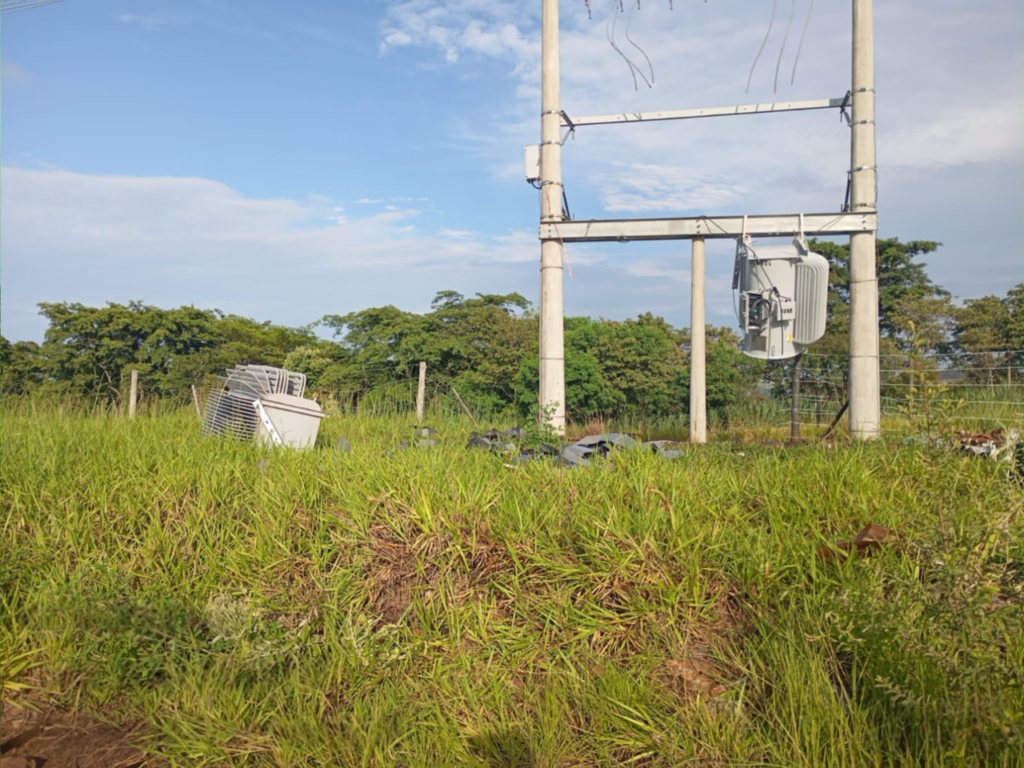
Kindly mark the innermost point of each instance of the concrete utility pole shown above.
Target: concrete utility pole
(698, 361)
(865, 399)
(552, 309)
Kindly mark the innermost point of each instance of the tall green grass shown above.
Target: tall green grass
(437, 607)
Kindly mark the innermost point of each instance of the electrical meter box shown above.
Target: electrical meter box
(783, 296)
(532, 162)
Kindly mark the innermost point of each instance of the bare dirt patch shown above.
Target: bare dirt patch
(40, 736)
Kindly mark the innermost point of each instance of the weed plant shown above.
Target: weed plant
(436, 606)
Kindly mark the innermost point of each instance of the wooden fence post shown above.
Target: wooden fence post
(421, 393)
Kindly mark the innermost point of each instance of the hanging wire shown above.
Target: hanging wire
(610, 34)
(785, 38)
(775, 4)
(629, 21)
(801, 46)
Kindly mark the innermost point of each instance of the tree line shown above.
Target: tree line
(487, 346)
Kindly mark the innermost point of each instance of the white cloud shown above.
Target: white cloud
(458, 26)
(456, 234)
(170, 241)
(148, 20)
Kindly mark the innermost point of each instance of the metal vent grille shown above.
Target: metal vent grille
(230, 408)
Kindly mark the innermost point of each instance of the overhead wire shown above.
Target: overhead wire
(771, 22)
(629, 21)
(610, 25)
(800, 47)
(782, 49)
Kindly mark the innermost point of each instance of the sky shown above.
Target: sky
(287, 160)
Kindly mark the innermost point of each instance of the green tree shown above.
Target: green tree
(22, 367)
(729, 374)
(477, 344)
(87, 350)
(586, 392)
(640, 361)
(987, 336)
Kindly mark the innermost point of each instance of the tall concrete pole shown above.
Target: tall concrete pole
(698, 359)
(552, 309)
(865, 400)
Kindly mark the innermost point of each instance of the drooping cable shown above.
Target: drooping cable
(610, 25)
(632, 8)
(785, 38)
(800, 47)
(609, 32)
(764, 42)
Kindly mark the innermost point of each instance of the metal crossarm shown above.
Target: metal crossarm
(709, 227)
(685, 114)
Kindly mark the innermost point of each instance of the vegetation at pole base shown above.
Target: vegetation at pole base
(435, 607)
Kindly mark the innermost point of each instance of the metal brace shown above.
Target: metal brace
(267, 423)
(843, 106)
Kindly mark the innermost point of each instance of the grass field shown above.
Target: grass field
(437, 607)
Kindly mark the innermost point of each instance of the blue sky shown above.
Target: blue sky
(288, 160)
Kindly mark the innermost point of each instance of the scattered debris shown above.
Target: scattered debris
(495, 441)
(344, 446)
(864, 542)
(606, 442)
(998, 445)
(575, 455)
(667, 449)
(578, 454)
(262, 403)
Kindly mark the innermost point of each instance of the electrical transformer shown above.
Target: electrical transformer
(783, 294)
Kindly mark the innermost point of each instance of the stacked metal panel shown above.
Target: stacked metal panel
(230, 409)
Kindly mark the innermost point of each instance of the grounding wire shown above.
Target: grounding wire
(629, 21)
(800, 47)
(782, 49)
(771, 21)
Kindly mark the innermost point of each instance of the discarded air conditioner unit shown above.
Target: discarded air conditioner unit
(783, 297)
(265, 404)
